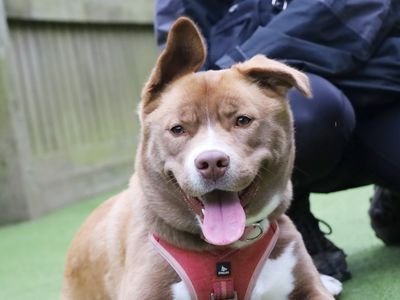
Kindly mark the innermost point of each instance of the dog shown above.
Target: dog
(212, 177)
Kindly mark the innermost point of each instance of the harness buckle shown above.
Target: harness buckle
(212, 297)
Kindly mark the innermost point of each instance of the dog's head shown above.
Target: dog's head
(217, 146)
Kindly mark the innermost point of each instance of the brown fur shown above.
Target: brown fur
(111, 257)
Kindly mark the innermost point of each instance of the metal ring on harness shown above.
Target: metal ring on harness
(260, 228)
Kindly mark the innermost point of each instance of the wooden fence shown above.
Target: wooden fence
(70, 79)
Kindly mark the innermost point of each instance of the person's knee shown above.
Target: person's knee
(328, 115)
(323, 127)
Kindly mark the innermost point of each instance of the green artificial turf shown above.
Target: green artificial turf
(32, 254)
(375, 267)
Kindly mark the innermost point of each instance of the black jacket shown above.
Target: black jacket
(353, 43)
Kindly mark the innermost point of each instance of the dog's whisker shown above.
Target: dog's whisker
(264, 168)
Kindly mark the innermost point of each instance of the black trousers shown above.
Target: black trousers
(338, 147)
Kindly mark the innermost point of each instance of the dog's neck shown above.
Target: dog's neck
(175, 236)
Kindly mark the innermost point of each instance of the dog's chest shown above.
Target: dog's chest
(275, 281)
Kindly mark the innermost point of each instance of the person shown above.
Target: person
(348, 135)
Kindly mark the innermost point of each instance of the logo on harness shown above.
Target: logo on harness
(223, 269)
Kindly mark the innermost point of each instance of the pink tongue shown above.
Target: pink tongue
(224, 218)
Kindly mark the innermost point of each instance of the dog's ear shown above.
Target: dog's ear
(184, 53)
(274, 75)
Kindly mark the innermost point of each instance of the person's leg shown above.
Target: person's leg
(323, 129)
(384, 212)
(371, 156)
(378, 134)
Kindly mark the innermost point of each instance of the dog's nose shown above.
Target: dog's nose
(212, 164)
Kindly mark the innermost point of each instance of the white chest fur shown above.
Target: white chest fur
(276, 280)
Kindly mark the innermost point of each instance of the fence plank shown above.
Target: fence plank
(13, 139)
(97, 11)
(72, 126)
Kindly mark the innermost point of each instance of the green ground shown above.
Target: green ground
(32, 254)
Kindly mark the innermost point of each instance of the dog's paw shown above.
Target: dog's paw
(333, 285)
(179, 291)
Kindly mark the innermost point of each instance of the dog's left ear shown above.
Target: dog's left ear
(184, 53)
(273, 75)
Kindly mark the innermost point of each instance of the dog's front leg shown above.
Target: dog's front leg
(289, 273)
(308, 283)
(150, 280)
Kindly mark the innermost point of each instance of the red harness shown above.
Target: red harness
(221, 274)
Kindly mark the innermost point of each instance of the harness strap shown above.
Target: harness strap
(221, 274)
(223, 289)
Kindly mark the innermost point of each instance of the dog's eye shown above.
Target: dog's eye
(243, 121)
(177, 130)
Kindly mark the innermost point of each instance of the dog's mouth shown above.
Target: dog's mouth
(222, 214)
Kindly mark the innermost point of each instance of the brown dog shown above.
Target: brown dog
(215, 157)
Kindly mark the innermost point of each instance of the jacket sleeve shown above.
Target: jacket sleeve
(205, 13)
(165, 13)
(327, 37)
